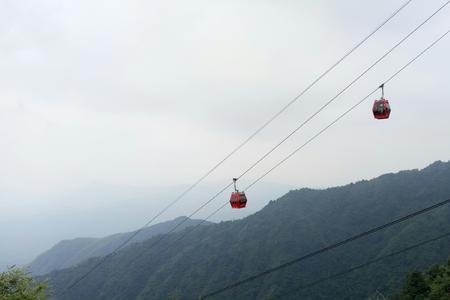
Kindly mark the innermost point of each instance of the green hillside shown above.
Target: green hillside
(69, 253)
(299, 222)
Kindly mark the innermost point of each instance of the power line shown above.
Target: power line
(268, 122)
(161, 237)
(310, 118)
(318, 134)
(272, 119)
(278, 114)
(325, 249)
(344, 89)
(193, 228)
(310, 140)
(364, 265)
(321, 131)
(349, 110)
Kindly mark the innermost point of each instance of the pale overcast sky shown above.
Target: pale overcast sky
(154, 93)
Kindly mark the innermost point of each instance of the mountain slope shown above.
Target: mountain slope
(299, 222)
(69, 253)
(75, 213)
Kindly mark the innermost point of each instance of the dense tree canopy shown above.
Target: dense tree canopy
(15, 284)
(433, 284)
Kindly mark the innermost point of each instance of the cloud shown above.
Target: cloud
(120, 91)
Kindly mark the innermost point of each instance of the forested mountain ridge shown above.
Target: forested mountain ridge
(299, 222)
(69, 253)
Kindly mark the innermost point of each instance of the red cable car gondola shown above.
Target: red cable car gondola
(237, 199)
(381, 108)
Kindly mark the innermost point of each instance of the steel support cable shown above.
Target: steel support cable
(326, 249)
(123, 244)
(312, 116)
(347, 111)
(260, 159)
(314, 82)
(361, 266)
(161, 237)
(398, 10)
(344, 89)
(268, 122)
(329, 102)
(316, 135)
(193, 228)
(321, 131)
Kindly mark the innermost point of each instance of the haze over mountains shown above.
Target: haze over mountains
(69, 253)
(110, 109)
(99, 210)
(297, 223)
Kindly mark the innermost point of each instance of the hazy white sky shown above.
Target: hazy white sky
(154, 93)
(98, 96)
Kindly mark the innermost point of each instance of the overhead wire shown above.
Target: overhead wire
(209, 172)
(189, 230)
(346, 112)
(361, 266)
(325, 249)
(256, 132)
(316, 113)
(344, 89)
(161, 237)
(394, 75)
(302, 125)
(318, 133)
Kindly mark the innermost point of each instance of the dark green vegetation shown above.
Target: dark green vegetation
(71, 252)
(433, 284)
(16, 285)
(300, 222)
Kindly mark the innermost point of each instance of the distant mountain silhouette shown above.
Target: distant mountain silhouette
(298, 223)
(97, 210)
(69, 253)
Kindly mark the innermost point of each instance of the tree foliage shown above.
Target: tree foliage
(433, 284)
(15, 284)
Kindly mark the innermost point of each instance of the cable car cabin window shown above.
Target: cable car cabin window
(242, 197)
(380, 108)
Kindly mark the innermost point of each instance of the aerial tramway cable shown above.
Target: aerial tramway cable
(193, 228)
(189, 230)
(343, 90)
(128, 240)
(326, 249)
(267, 123)
(311, 117)
(328, 126)
(281, 162)
(361, 266)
